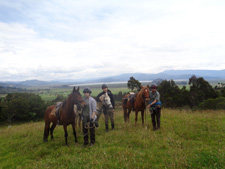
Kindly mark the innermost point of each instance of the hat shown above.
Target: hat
(154, 86)
(87, 90)
(104, 86)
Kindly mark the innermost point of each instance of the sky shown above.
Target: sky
(73, 39)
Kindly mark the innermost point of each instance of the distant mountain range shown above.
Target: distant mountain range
(168, 75)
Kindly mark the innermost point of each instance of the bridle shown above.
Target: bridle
(104, 102)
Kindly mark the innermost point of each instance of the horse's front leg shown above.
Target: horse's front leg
(66, 134)
(46, 131)
(125, 114)
(128, 115)
(74, 132)
(52, 129)
(136, 116)
(142, 117)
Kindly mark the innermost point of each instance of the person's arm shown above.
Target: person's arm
(99, 95)
(152, 103)
(93, 108)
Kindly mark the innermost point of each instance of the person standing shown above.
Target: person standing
(88, 117)
(155, 107)
(107, 112)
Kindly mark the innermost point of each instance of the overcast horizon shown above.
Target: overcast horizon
(50, 40)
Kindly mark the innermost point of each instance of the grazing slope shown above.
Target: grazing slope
(186, 140)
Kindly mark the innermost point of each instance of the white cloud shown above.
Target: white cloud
(84, 39)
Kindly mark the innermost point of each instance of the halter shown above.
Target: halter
(144, 96)
(105, 103)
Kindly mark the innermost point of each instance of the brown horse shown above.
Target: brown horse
(141, 100)
(66, 117)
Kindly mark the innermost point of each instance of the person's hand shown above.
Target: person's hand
(93, 116)
(148, 106)
(113, 110)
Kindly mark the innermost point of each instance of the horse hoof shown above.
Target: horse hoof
(45, 140)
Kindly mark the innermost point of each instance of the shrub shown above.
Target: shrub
(22, 107)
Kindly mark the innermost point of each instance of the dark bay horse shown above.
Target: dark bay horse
(67, 115)
(141, 100)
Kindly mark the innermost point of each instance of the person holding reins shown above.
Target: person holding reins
(107, 112)
(88, 116)
(155, 106)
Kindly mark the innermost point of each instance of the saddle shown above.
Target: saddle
(56, 110)
(131, 98)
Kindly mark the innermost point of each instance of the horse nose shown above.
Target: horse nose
(110, 106)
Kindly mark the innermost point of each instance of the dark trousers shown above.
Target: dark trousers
(89, 126)
(156, 114)
(108, 114)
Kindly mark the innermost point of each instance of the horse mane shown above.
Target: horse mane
(68, 105)
(139, 94)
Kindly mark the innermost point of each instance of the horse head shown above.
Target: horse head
(76, 98)
(145, 94)
(106, 100)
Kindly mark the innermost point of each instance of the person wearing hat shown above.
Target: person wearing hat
(107, 112)
(88, 117)
(155, 106)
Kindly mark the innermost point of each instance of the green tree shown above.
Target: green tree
(217, 103)
(22, 107)
(133, 84)
(171, 95)
(59, 98)
(200, 90)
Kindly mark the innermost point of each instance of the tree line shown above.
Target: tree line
(201, 94)
(20, 107)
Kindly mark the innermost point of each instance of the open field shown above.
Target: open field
(51, 93)
(186, 140)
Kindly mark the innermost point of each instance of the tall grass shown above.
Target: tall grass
(186, 140)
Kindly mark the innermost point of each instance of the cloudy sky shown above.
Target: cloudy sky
(74, 39)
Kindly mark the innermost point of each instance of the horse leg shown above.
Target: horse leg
(142, 116)
(74, 132)
(136, 115)
(128, 115)
(125, 114)
(66, 134)
(80, 123)
(46, 131)
(52, 129)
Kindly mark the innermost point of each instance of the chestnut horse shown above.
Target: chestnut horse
(140, 103)
(67, 115)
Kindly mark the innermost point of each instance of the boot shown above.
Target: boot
(113, 127)
(158, 125)
(106, 127)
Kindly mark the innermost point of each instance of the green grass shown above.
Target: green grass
(186, 140)
(51, 94)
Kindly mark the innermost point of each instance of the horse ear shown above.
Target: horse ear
(147, 86)
(74, 89)
(78, 89)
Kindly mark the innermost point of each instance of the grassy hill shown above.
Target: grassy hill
(186, 140)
